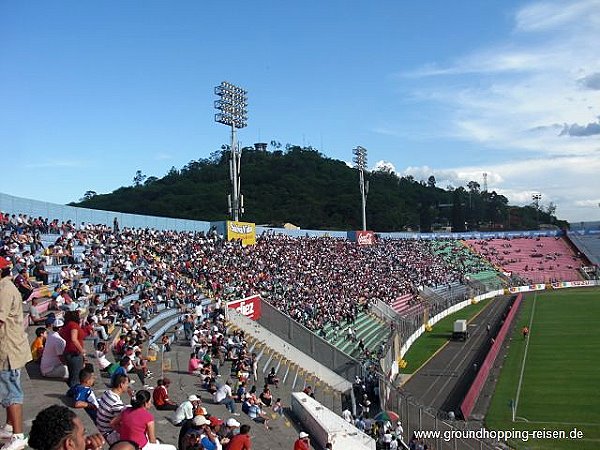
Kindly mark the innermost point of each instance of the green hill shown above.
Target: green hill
(302, 186)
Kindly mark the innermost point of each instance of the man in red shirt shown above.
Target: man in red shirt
(241, 441)
(160, 396)
(303, 442)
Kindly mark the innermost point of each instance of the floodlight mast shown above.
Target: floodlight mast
(360, 161)
(536, 197)
(232, 106)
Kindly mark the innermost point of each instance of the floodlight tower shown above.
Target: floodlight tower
(536, 197)
(232, 106)
(360, 161)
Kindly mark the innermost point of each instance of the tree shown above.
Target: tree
(150, 180)
(431, 181)
(88, 195)
(474, 187)
(139, 178)
(458, 211)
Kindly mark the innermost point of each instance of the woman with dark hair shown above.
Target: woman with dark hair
(137, 423)
(74, 352)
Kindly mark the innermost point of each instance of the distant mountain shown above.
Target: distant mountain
(302, 186)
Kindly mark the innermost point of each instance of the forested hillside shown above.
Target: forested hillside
(302, 186)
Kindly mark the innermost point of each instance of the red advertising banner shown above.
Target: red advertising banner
(365, 237)
(249, 306)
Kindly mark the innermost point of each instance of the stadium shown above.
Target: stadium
(350, 330)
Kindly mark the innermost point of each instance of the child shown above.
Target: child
(103, 362)
(278, 407)
(37, 346)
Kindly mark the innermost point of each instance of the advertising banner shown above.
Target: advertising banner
(249, 306)
(571, 284)
(365, 237)
(244, 231)
(530, 288)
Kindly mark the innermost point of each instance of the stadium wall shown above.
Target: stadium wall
(35, 208)
(290, 352)
(310, 343)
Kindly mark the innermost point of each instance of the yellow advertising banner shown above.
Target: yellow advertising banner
(244, 231)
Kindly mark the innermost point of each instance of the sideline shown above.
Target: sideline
(524, 358)
(408, 376)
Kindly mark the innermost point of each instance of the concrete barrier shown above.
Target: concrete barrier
(470, 399)
(324, 426)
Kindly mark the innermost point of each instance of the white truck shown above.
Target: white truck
(460, 332)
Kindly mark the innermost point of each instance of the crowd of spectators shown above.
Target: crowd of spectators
(316, 281)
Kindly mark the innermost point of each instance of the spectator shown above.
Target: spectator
(59, 428)
(303, 441)
(137, 424)
(241, 441)
(160, 396)
(185, 411)
(13, 357)
(82, 394)
(52, 363)
(110, 405)
(37, 346)
(74, 353)
(224, 396)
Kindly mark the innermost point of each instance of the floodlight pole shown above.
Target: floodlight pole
(536, 197)
(360, 159)
(232, 112)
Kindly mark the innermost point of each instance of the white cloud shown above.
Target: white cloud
(534, 92)
(565, 181)
(385, 166)
(547, 15)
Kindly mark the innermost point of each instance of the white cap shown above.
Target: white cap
(303, 435)
(200, 420)
(58, 323)
(193, 398)
(231, 422)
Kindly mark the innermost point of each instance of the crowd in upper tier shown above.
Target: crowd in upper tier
(315, 280)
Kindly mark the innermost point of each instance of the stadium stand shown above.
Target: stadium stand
(534, 260)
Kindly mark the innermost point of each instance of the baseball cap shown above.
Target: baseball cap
(214, 421)
(4, 263)
(193, 398)
(231, 422)
(50, 320)
(303, 435)
(200, 420)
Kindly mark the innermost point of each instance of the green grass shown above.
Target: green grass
(561, 380)
(430, 342)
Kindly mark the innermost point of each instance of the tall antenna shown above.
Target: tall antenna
(485, 181)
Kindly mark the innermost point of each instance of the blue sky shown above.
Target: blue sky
(90, 92)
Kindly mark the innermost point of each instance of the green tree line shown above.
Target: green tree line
(302, 186)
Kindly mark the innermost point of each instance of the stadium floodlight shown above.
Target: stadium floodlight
(232, 107)
(360, 161)
(536, 197)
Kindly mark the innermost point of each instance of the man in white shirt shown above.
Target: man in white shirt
(51, 364)
(224, 396)
(185, 411)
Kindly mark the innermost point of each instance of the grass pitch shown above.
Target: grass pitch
(559, 371)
